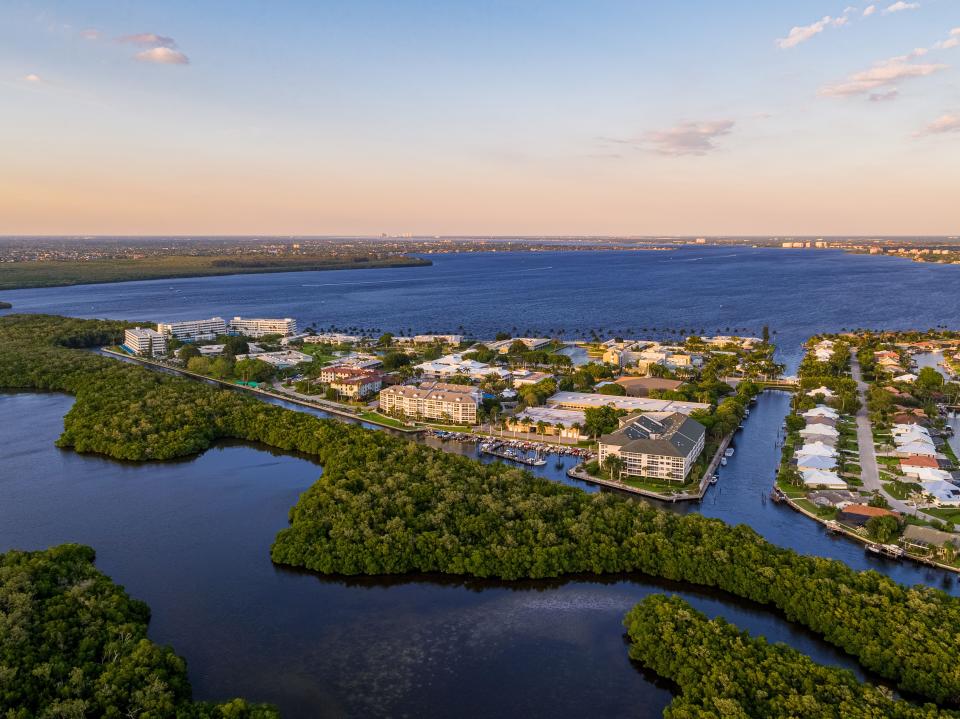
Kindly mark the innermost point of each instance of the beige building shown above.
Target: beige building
(663, 445)
(258, 327)
(433, 400)
(145, 342)
(194, 330)
(354, 383)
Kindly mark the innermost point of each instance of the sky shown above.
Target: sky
(511, 117)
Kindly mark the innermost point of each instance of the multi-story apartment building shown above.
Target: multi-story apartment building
(433, 400)
(145, 342)
(659, 444)
(258, 327)
(194, 330)
(352, 383)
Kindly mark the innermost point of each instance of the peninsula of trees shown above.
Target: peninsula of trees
(388, 506)
(73, 644)
(19, 275)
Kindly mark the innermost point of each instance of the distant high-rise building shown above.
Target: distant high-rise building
(145, 342)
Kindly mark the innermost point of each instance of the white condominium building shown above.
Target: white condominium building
(659, 444)
(145, 342)
(433, 400)
(193, 330)
(259, 327)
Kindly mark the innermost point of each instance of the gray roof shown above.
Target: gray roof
(659, 433)
(928, 535)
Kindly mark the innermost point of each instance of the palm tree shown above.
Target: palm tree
(614, 465)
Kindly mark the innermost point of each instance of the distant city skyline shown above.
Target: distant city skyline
(497, 118)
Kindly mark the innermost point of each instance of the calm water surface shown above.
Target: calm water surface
(192, 539)
(795, 292)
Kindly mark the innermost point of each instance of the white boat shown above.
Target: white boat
(728, 452)
(723, 461)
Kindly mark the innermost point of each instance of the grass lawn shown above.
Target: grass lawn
(947, 514)
(900, 490)
(662, 487)
(383, 419)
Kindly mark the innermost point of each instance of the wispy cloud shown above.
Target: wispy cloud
(900, 6)
(884, 96)
(163, 56)
(91, 34)
(941, 126)
(884, 74)
(802, 33)
(33, 78)
(952, 41)
(869, 10)
(148, 39)
(687, 138)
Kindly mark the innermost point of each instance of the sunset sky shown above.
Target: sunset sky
(509, 117)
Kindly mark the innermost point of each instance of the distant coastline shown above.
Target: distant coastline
(26, 275)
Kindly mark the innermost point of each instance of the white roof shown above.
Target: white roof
(821, 478)
(822, 410)
(921, 448)
(825, 391)
(581, 400)
(928, 474)
(815, 461)
(908, 377)
(818, 448)
(824, 430)
(943, 492)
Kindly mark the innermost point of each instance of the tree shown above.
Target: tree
(517, 348)
(502, 336)
(395, 360)
(236, 345)
(612, 388)
(600, 420)
(882, 529)
(385, 340)
(928, 380)
(188, 352)
(253, 370)
(614, 466)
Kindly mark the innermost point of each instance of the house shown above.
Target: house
(917, 448)
(916, 461)
(817, 448)
(944, 494)
(816, 478)
(819, 429)
(566, 423)
(821, 411)
(433, 400)
(859, 514)
(927, 474)
(909, 377)
(642, 386)
(663, 445)
(811, 462)
(928, 539)
(834, 498)
(825, 392)
(825, 421)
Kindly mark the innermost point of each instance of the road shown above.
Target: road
(870, 474)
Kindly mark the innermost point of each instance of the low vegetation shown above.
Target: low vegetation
(73, 644)
(388, 506)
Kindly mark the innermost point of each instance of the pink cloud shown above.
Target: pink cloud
(163, 56)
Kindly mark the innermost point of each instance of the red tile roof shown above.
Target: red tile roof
(916, 460)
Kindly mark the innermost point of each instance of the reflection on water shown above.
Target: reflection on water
(192, 539)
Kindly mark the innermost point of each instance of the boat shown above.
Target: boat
(714, 479)
(873, 548)
(728, 452)
(832, 526)
(778, 495)
(723, 461)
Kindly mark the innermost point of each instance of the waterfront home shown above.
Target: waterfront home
(823, 350)
(819, 429)
(662, 445)
(943, 493)
(909, 378)
(820, 448)
(824, 421)
(928, 539)
(821, 411)
(917, 447)
(834, 498)
(813, 462)
(913, 462)
(587, 400)
(820, 478)
(145, 342)
(433, 400)
(930, 474)
(825, 392)
(455, 364)
(567, 423)
(859, 514)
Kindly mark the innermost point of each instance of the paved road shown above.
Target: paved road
(868, 456)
